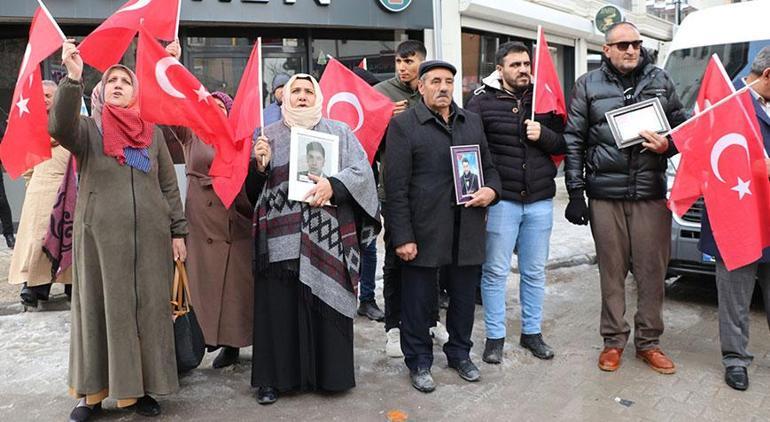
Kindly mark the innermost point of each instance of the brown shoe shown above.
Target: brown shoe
(657, 360)
(609, 359)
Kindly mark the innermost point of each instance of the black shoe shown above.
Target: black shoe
(369, 309)
(226, 357)
(493, 350)
(10, 240)
(146, 406)
(267, 395)
(536, 345)
(737, 377)
(466, 369)
(443, 300)
(422, 380)
(84, 413)
(28, 296)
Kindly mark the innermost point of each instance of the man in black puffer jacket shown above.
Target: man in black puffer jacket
(521, 150)
(626, 189)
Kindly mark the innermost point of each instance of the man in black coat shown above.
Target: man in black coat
(468, 180)
(627, 190)
(428, 230)
(521, 150)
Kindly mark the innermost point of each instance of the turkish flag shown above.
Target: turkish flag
(245, 118)
(106, 45)
(362, 64)
(715, 85)
(26, 141)
(723, 152)
(170, 95)
(547, 95)
(350, 99)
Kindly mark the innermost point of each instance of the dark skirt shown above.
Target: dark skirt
(300, 343)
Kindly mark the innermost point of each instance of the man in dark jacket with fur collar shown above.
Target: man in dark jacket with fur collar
(626, 189)
(521, 150)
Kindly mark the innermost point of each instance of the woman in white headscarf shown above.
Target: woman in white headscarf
(307, 255)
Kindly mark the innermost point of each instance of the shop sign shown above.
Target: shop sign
(606, 17)
(395, 5)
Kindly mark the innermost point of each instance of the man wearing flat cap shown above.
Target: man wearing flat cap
(428, 230)
(273, 111)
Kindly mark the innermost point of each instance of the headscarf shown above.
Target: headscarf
(125, 135)
(226, 99)
(304, 117)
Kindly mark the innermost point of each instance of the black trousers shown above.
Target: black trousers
(417, 310)
(5, 210)
(391, 289)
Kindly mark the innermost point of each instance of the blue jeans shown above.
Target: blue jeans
(368, 270)
(526, 227)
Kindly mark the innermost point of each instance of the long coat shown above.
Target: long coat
(29, 263)
(421, 204)
(219, 251)
(122, 337)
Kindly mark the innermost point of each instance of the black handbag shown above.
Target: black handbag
(188, 336)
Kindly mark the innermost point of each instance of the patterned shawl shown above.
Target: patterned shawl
(326, 241)
(58, 240)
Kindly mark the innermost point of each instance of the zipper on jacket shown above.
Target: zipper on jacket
(136, 284)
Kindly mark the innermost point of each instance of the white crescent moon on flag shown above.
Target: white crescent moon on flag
(160, 75)
(347, 97)
(136, 6)
(721, 145)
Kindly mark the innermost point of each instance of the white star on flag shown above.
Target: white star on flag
(202, 94)
(22, 105)
(742, 188)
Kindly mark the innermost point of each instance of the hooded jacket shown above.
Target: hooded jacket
(594, 163)
(525, 167)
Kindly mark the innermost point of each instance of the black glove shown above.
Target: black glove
(577, 211)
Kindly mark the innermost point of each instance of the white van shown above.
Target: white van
(735, 32)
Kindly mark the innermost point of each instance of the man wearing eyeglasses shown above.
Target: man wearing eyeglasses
(626, 191)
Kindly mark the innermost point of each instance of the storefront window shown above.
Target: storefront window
(379, 54)
(623, 4)
(12, 50)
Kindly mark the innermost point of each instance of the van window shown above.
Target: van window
(686, 67)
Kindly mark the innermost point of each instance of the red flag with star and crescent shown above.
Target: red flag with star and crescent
(106, 45)
(547, 95)
(350, 99)
(723, 153)
(26, 141)
(169, 94)
(715, 85)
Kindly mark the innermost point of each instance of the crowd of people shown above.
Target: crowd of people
(283, 276)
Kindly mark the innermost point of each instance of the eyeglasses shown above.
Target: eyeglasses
(623, 45)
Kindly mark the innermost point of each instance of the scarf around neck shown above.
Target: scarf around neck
(304, 117)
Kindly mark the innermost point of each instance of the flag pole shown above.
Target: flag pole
(537, 67)
(261, 93)
(713, 106)
(56, 24)
(178, 16)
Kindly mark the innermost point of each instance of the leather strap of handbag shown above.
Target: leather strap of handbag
(180, 293)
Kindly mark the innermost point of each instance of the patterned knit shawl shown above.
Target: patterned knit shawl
(326, 241)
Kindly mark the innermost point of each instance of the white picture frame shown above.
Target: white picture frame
(307, 148)
(626, 122)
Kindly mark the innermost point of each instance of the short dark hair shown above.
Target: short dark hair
(465, 160)
(508, 48)
(616, 25)
(315, 146)
(409, 48)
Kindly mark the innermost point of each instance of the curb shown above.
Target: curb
(570, 261)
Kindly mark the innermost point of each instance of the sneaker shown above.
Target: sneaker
(422, 380)
(439, 334)
(393, 344)
(369, 309)
(536, 345)
(466, 369)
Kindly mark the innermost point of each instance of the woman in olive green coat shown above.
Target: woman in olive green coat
(128, 211)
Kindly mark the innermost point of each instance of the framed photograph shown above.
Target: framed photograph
(311, 153)
(626, 122)
(467, 171)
